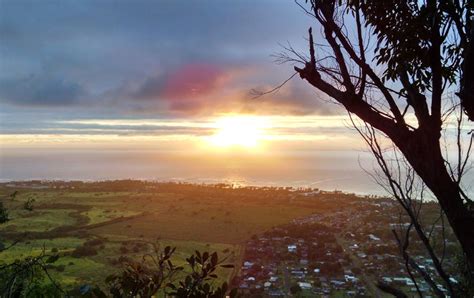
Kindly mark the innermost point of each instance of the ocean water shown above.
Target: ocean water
(329, 170)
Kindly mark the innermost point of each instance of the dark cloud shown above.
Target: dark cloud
(40, 91)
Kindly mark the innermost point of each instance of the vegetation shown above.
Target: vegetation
(29, 277)
(156, 274)
(36, 274)
(96, 231)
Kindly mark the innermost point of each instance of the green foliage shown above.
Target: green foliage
(157, 273)
(404, 31)
(29, 204)
(198, 283)
(29, 278)
(145, 278)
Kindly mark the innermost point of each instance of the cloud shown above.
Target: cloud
(200, 89)
(193, 80)
(184, 87)
(156, 57)
(40, 91)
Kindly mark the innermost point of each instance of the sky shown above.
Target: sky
(154, 58)
(118, 89)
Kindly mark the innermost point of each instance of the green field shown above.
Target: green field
(186, 216)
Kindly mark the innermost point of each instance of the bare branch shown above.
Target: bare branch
(258, 94)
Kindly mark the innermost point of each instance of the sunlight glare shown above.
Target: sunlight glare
(239, 131)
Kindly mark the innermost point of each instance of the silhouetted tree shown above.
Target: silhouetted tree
(402, 61)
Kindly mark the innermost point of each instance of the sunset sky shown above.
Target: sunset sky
(82, 77)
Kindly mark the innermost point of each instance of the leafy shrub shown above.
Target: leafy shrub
(29, 278)
(200, 282)
(28, 205)
(156, 274)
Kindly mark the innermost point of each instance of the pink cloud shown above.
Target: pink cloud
(193, 81)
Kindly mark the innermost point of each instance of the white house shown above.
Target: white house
(305, 285)
(291, 248)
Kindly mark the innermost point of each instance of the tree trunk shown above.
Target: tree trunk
(422, 150)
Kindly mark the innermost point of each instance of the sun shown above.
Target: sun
(238, 131)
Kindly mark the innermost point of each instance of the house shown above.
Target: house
(291, 248)
(305, 285)
(273, 278)
(304, 262)
(402, 280)
(337, 283)
(350, 278)
(276, 293)
(298, 273)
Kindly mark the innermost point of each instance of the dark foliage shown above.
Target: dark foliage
(157, 274)
(3, 213)
(199, 282)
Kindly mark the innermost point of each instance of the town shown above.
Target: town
(340, 254)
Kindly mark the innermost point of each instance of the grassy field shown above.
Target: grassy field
(188, 217)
